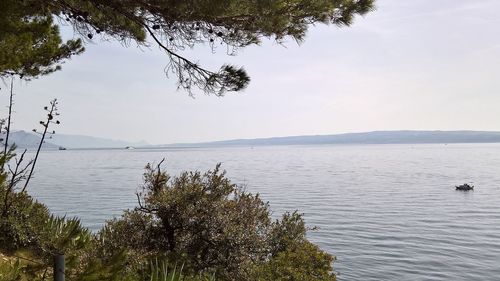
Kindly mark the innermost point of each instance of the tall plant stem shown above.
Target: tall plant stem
(46, 127)
(7, 132)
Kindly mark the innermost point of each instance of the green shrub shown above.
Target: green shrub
(212, 225)
(300, 262)
(21, 227)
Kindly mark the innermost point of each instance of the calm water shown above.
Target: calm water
(388, 212)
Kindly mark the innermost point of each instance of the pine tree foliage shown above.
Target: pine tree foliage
(30, 43)
(175, 25)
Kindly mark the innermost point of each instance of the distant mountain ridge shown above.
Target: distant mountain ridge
(81, 141)
(376, 137)
(29, 140)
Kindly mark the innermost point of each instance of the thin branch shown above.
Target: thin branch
(7, 132)
(173, 54)
(30, 260)
(53, 108)
(143, 208)
(17, 176)
(158, 171)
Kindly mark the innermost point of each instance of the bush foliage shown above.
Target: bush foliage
(214, 226)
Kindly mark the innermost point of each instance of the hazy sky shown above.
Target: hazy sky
(422, 64)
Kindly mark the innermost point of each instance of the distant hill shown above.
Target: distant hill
(377, 137)
(30, 140)
(79, 141)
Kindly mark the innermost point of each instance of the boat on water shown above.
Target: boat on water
(62, 148)
(464, 187)
(129, 147)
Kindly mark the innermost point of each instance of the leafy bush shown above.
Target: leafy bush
(214, 226)
(299, 262)
(21, 227)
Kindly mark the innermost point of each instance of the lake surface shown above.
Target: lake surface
(388, 212)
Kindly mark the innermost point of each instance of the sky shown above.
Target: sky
(413, 65)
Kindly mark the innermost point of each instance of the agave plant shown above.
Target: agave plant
(162, 271)
(159, 271)
(63, 234)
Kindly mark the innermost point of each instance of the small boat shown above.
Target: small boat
(129, 147)
(62, 148)
(464, 187)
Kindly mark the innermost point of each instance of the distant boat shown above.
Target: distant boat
(62, 148)
(129, 147)
(464, 187)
